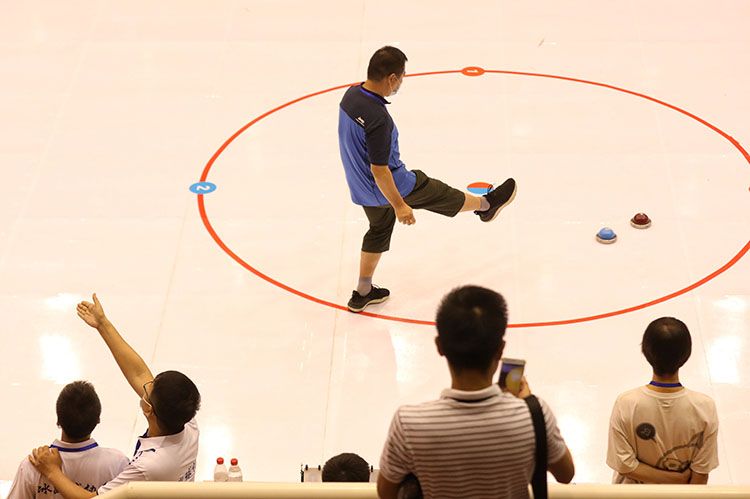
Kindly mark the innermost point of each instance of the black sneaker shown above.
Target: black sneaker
(359, 302)
(499, 198)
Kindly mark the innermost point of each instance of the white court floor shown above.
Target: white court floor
(111, 110)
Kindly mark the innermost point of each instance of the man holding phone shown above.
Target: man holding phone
(476, 440)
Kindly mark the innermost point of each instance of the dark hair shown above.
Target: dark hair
(471, 322)
(346, 467)
(666, 345)
(385, 62)
(175, 399)
(78, 409)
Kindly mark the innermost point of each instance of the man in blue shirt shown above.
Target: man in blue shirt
(378, 179)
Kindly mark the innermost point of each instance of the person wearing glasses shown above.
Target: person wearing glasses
(169, 402)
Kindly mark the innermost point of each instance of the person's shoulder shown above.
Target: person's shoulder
(700, 398)
(631, 396)
(25, 468)
(422, 406)
(113, 454)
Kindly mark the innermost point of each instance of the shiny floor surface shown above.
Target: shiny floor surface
(112, 110)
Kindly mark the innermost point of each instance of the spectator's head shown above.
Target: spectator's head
(173, 399)
(471, 322)
(346, 467)
(666, 345)
(78, 410)
(387, 65)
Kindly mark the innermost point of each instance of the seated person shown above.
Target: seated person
(663, 432)
(346, 467)
(169, 401)
(87, 464)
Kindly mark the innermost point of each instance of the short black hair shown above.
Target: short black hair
(471, 322)
(386, 61)
(666, 345)
(175, 400)
(346, 467)
(78, 409)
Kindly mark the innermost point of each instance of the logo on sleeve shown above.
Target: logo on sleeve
(360, 120)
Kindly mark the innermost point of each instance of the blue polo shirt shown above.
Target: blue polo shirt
(368, 135)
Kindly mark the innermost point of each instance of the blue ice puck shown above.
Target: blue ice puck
(606, 236)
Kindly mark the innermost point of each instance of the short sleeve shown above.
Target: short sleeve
(118, 463)
(555, 444)
(621, 456)
(131, 473)
(707, 456)
(25, 481)
(395, 461)
(378, 140)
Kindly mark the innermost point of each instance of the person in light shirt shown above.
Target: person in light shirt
(169, 402)
(84, 461)
(663, 432)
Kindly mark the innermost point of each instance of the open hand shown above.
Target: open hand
(91, 313)
(46, 460)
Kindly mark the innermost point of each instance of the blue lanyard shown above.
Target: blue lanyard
(665, 385)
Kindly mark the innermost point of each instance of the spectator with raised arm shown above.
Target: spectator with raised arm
(169, 402)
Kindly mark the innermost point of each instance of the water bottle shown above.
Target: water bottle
(235, 473)
(220, 471)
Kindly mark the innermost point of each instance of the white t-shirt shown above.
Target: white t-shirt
(87, 464)
(670, 431)
(162, 459)
(468, 444)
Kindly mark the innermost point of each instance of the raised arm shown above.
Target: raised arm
(131, 364)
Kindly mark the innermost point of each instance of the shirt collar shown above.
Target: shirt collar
(145, 442)
(472, 396)
(74, 447)
(372, 95)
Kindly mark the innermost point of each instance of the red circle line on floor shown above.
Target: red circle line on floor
(470, 71)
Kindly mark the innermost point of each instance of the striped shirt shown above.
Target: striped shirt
(468, 444)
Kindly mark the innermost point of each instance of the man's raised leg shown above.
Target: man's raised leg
(475, 203)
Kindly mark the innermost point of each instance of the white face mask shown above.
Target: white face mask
(394, 91)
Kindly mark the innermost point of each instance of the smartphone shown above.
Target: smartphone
(511, 372)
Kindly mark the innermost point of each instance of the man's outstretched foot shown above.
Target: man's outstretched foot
(359, 302)
(500, 197)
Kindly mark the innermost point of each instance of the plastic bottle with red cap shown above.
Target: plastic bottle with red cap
(235, 473)
(220, 471)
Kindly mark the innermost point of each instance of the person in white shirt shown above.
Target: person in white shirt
(663, 432)
(169, 401)
(476, 440)
(78, 410)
